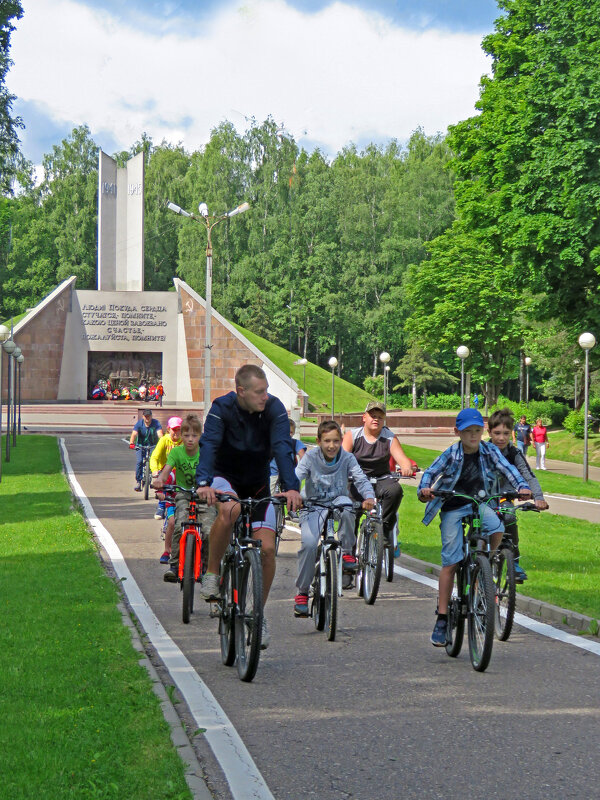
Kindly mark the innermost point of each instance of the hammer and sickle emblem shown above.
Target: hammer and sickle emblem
(189, 306)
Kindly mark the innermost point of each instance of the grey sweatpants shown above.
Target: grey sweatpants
(311, 523)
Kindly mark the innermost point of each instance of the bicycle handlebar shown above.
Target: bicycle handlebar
(315, 502)
(225, 497)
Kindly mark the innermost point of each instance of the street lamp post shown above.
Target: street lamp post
(4, 334)
(462, 352)
(333, 362)
(575, 364)
(527, 365)
(385, 358)
(15, 355)
(302, 362)
(209, 222)
(586, 342)
(9, 347)
(20, 360)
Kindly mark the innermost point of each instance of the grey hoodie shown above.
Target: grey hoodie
(328, 480)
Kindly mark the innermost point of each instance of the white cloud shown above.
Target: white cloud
(340, 75)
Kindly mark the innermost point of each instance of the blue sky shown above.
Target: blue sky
(330, 72)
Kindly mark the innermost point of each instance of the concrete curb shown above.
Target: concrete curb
(193, 773)
(525, 605)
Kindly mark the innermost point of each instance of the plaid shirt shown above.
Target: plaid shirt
(445, 472)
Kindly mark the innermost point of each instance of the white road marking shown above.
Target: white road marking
(573, 499)
(242, 774)
(526, 622)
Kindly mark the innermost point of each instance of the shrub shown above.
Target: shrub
(551, 412)
(574, 423)
(374, 386)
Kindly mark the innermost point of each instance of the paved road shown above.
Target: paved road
(379, 714)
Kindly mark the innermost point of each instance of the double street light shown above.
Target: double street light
(586, 342)
(462, 352)
(302, 362)
(333, 362)
(385, 358)
(209, 222)
(10, 348)
(4, 334)
(527, 365)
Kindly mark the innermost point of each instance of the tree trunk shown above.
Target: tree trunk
(468, 390)
(375, 364)
(414, 393)
(424, 397)
(521, 374)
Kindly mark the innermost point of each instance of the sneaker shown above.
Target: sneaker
(301, 605)
(349, 563)
(520, 574)
(397, 550)
(209, 588)
(347, 580)
(438, 637)
(137, 487)
(160, 512)
(164, 559)
(170, 575)
(266, 636)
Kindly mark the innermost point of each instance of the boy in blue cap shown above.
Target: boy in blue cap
(467, 467)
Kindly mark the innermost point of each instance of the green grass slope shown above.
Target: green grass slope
(318, 380)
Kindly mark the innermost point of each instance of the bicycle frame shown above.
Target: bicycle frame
(192, 528)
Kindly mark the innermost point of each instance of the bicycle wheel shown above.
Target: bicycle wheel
(388, 562)
(226, 613)
(361, 555)
(481, 614)
(318, 603)
(331, 594)
(279, 522)
(373, 561)
(188, 576)
(503, 571)
(146, 476)
(249, 616)
(456, 621)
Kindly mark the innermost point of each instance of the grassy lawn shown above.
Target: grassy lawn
(79, 717)
(565, 447)
(318, 381)
(561, 555)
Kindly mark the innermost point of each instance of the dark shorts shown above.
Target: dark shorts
(263, 515)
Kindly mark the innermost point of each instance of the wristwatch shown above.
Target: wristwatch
(203, 483)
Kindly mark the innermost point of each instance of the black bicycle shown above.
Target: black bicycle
(327, 582)
(370, 547)
(240, 605)
(503, 572)
(474, 592)
(146, 479)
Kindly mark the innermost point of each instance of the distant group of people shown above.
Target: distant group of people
(104, 390)
(523, 435)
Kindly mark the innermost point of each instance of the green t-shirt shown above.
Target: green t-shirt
(185, 466)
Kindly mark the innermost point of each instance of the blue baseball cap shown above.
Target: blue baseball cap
(468, 417)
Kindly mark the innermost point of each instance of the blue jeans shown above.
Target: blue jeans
(522, 446)
(139, 466)
(451, 528)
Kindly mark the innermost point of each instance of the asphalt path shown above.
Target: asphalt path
(379, 714)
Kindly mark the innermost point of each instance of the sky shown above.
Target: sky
(329, 73)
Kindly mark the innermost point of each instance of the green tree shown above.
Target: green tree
(418, 370)
(528, 164)
(12, 164)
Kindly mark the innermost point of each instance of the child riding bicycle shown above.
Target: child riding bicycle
(327, 469)
(158, 460)
(467, 467)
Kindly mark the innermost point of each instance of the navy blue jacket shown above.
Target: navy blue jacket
(238, 445)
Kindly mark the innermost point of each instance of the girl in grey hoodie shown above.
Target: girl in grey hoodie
(326, 470)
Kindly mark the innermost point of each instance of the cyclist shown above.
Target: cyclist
(500, 426)
(184, 460)
(146, 432)
(158, 459)
(373, 444)
(467, 467)
(327, 469)
(242, 430)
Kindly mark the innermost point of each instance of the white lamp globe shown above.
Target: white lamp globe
(463, 352)
(384, 357)
(527, 361)
(333, 362)
(587, 341)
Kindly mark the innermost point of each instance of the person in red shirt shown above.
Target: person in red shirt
(539, 435)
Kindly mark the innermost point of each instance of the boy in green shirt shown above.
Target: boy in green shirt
(184, 460)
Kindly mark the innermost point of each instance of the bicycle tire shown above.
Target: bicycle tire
(360, 553)
(279, 522)
(188, 577)
(388, 562)
(147, 477)
(226, 614)
(331, 594)
(318, 604)
(503, 571)
(249, 616)
(456, 621)
(481, 618)
(374, 552)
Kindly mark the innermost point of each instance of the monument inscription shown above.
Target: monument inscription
(114, 322)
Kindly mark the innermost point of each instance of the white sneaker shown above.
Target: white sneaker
(266, 636)
(209, 588)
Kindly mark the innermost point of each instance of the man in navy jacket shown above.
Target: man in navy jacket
(242, 432)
